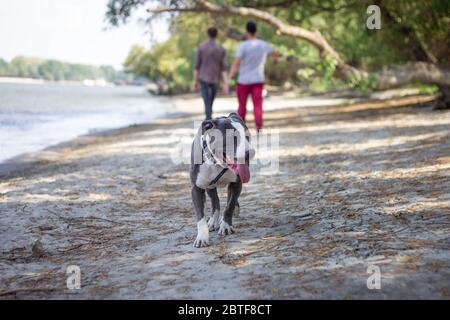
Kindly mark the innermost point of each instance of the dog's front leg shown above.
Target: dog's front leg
(198, 197)
(234, 191)
(214, 220)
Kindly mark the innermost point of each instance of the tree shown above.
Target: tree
(424, 24)
(3, 68)
(54, 70)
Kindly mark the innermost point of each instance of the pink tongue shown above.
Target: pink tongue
(243, 172)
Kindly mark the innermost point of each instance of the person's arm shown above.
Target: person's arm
(239, 55)
(274, 54)
(198, 63)
(224, 68)
(195, 83)
(234, 68)
(226, 87)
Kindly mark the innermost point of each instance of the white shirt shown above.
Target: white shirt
(253, 55)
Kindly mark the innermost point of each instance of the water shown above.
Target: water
(33, 117)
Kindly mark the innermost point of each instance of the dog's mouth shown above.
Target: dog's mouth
(240, 169)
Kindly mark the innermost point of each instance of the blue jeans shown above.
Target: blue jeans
(208, 91)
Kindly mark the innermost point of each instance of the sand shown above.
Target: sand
(360, 183)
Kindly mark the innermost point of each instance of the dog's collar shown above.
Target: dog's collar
(221, 173)
(212, 159)
(208, 154)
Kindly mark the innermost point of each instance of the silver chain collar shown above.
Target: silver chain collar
(210, 157)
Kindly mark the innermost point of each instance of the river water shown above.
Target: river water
(34, 116)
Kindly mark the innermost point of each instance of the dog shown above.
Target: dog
(220, 157)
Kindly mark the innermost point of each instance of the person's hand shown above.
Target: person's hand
(231, 83)
(226, 89)
(275, 57)
(195, 85)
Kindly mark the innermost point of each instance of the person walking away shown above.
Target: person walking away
(211, 61)
(250, 59)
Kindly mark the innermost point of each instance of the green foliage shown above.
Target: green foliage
(3, 67)
(54, 70)
(305, 74)
(364, 83)
(327, 67)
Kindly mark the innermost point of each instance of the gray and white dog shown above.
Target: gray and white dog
(220, 156)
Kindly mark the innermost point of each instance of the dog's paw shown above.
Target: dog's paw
(225, 229)
(202, 239)
(201, 242)
(214, 221)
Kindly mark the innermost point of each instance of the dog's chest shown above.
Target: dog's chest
(207, 173)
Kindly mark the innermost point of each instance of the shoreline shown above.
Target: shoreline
(101, 83)
(23, 162)
(35, 81)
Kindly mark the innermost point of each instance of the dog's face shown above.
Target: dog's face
(227, 139)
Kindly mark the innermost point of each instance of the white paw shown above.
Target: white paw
(225, 228)
(202, 239)
(214, 221)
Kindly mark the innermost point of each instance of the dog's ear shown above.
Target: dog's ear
(235, 116)
(207, 125)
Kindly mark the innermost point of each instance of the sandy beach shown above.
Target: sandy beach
(360, 183)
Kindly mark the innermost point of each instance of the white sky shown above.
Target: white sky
(69, 30)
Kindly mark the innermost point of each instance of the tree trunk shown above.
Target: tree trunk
(443, 102)
(412, 72)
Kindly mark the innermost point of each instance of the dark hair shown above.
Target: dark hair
(212, 32)
(251, 27)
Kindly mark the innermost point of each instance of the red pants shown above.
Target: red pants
(255, 89)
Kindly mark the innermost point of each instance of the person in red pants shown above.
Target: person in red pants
(250, 58)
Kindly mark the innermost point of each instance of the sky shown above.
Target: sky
(69, 30)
